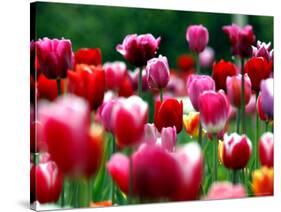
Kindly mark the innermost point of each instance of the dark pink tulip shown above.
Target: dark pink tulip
(263, 50)
(55, 57)
(267, 97)
(206, 58)
(197, 37)
(114, 73)
(138, 49)
(134, 76)
(157, 72)
(196, 85)
(241, 39)
(237, 150)
(234, 91)
(128, 119)
(266, 150)
(214, 110)
(226, 190)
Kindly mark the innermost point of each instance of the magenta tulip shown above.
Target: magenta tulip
(138, 49)
(55, 57)
(214, 110)
(263, 50)
(197, 37)
(266, 150)
(266, 94)
(196, 85)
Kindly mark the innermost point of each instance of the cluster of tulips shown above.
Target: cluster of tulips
(90, 120)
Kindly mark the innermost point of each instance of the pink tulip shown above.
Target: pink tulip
(55, 57)
(214, 110)
(114, 73)
(206, 58)
(263, 50)
(251, 106)
(169, 138)
(237, 150)
(158, 73)
(266, 151)
(105, 112)
(198, 37)
(196, 85)
(267, 97)
(234, 92)
(128, 119)
(262, 115)
(138, 49)
(225, 190)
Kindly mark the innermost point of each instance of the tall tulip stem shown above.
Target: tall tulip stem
(140, 83)
(130, 195)
(113, 184)
(198, 68)
(266, 126)
(59, 86)
(257, 136)
(235, 176)
(215, 157)
(161, 94)
(62, 195)
(243, 97)
(200, 134)
(238, 120)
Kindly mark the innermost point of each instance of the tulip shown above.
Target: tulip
(251, 106)
(72, 144)
(88, 82)
(168, 114)
(126, 88)
(138, 49)
(262, 115)
(221, 71)
(150, 134)
(128, 120)
(197, 37)
(226, 190)
(191, 123)
(105, 112)
(266, 151)
(262, 181)
(206, 57)
(114, 73)
(267, 97)
(257, 69)
(263, 50)
(88, 56)
(185, 62)
(237, 150)
(134, 76)
(157, 72)
(233, 87)
(241, 39)
(46, 182)
(55, 57)
(196, 85)
(169, 138)
(214, 109)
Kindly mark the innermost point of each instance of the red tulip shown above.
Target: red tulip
(138, 49)
(88, 82)
(266, 151)
(75, 148)
(221, 71)
(46, 182)
(128, 119)
(88, 56)
(214, 110)
(237, 150)
(168, 114)
(225, 190)
(258, 69)
(185, 62)
(126, 88)
(55, 57)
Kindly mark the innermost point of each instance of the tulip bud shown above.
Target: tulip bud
(158, 73)
(128, 119)
(225, 190)
(236, 151)
(258, 69)
(169, 138)
(196, 85)
(55, 57)
(168, 114)
(206, 57)
(262, 181)
(221, 71)
(114, 73)
(214, 110)
(267, 97)
(266, 151)
(138, 49)
(191, 123)
(88, 56)
(262, 50)
(197, 37)
(234, 92)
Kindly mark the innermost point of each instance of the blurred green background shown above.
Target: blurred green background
(106, 26)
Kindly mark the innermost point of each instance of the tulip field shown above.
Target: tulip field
(140, 130)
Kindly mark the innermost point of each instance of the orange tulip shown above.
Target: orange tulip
(262, 183)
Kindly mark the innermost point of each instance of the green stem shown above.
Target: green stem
(89, 187)
(140, 83)
(243, 97)
(59, 86)
(200, 134)
(266, 126)
(235, 176)
(257, 136)
(62, 195)
(272, 127)
(113, 184)
(198, 68)
(215, 157)
(130, 195)
(161, 94)
(238, 120)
